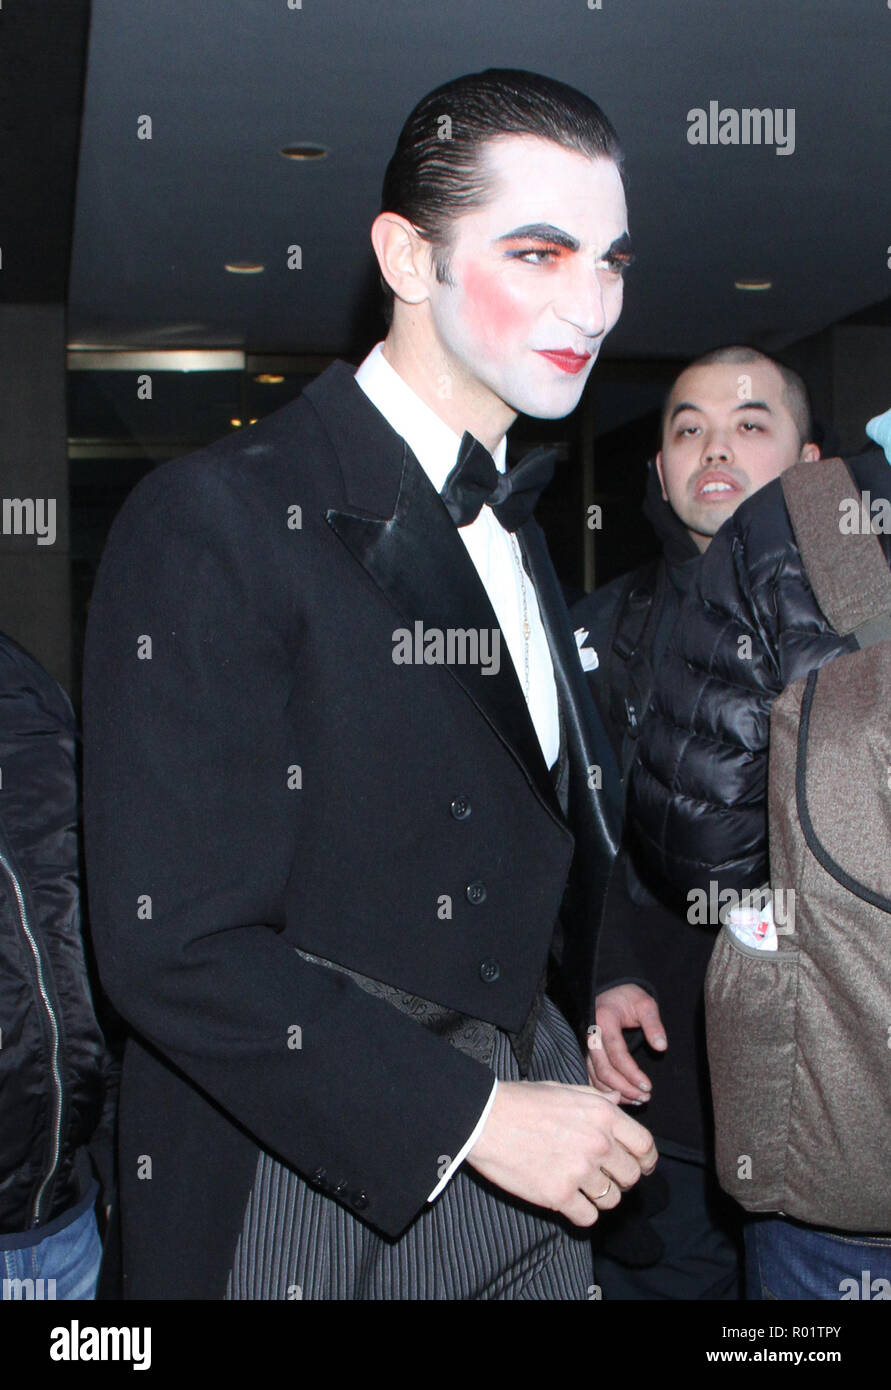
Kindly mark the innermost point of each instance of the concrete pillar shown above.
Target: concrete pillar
(35, 596)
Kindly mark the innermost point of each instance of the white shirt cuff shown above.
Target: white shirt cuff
(478, 1129)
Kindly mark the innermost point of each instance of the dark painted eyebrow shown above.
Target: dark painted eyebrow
(621, 247)
(541, 231)
(546, 232)
(743, 405)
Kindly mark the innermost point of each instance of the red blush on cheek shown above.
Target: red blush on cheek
(489, 309)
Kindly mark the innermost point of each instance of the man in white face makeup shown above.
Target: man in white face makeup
(356, 829)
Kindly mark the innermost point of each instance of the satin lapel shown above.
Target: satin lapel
(419, 561)
(587, 744)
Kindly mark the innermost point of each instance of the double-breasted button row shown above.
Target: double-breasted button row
(475, 892)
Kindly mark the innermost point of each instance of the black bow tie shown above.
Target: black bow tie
(475, 481)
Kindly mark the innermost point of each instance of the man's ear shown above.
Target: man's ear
(661, 475)
(403, 256)
(809, 453)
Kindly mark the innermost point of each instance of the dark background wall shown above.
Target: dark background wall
(113, 247)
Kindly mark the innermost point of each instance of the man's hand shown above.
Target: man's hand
(610, 1064)
(562, 1147)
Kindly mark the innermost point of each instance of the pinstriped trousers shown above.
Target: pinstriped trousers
(473, 1242)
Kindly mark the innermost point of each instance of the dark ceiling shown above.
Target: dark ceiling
(228, 82)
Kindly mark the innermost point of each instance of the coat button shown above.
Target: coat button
(359, 1201)
(341, 1190)
(460, 808)
(489, 971)
(320, 1177)
(475, 893)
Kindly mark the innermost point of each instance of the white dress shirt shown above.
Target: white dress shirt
(495, 556)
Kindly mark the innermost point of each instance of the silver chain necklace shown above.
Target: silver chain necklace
(527, 631)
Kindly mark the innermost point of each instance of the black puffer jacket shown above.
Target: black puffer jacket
(698, 785)
(641, 940)
(53, 1064)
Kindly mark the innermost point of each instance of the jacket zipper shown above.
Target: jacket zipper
(57, 1079)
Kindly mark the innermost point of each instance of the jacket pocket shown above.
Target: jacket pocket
(751, 1003)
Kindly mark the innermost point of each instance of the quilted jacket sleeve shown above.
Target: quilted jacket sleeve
(698, 794)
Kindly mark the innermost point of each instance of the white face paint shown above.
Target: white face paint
(537, 271)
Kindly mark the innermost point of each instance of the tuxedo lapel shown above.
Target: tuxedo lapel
(587, 744)
(418, 560)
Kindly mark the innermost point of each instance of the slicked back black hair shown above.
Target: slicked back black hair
(437, 172)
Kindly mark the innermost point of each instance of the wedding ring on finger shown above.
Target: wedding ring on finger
(600, 1195)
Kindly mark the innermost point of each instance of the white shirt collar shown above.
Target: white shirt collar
(433, 444)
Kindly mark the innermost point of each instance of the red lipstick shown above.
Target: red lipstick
(566, 359)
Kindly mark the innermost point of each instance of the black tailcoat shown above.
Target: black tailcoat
(260, 775)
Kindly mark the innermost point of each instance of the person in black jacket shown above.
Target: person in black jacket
(698, 785)
(328, 847)
(56, 1103)
(733, 420)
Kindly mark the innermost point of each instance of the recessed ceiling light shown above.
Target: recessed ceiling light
(244, 267)
(753, 284)
(235, 421)
(267, 379)
(303, 150)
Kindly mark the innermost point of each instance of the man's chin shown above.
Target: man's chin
(710, 524)
(547, 405)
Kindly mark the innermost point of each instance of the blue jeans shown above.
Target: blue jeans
(787, 1260)
(64, 1263)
